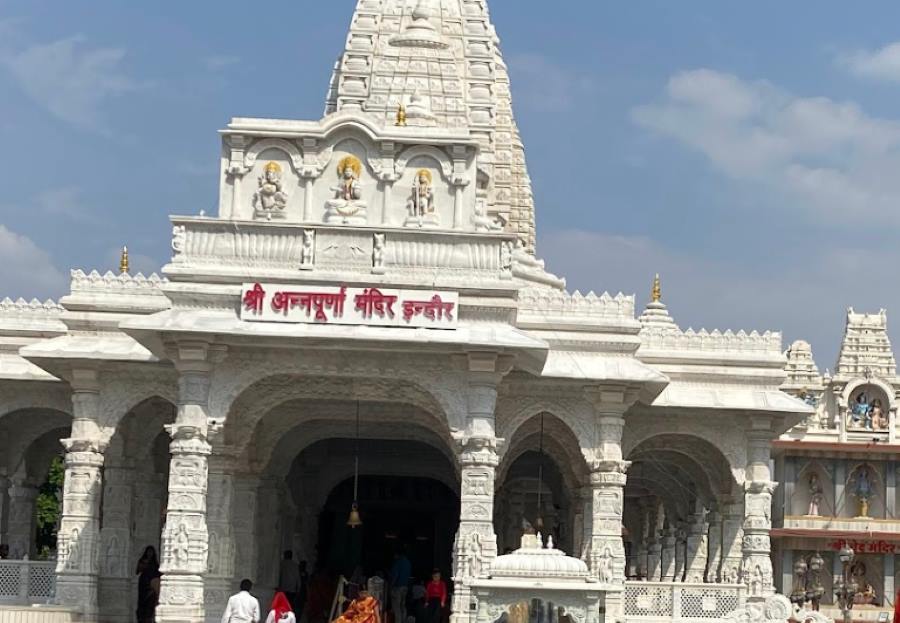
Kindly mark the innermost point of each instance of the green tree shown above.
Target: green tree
(48, 508)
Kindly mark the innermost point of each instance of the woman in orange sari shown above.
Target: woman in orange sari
(363, 609)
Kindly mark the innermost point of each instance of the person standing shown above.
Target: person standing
(436, 596)
(289, 579)
(281, 611)
(400, 575)
(242, 607)
(149, 576)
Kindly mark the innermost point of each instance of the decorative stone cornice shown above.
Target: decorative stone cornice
(703, 341)
(30, 310)
(116, 283)
(577, 305)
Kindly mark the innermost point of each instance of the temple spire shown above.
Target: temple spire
(656, 314)
(441, 61)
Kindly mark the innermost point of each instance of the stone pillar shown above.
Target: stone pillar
(117, 559)
(680, 550)
(220, 567)
(78, 540)
(757, 572)
(732, 543)
(714, 550)
(696, 549)
(667, 558)
(654, 557)
(608, 477)
(185, 539)
(21, 522)
(475, 546)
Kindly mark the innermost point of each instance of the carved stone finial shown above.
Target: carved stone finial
(123, 261)
(656, 293)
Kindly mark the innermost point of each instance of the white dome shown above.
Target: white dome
(533, 561)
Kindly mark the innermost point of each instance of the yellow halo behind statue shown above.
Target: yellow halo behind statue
(426, 173)
(352, 162)
(273, 167)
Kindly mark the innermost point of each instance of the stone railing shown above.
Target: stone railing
(768, 343)
(287, 250)
(675, 602)
(26, 582)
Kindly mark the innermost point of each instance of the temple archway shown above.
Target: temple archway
(539, 479)
(676, 482)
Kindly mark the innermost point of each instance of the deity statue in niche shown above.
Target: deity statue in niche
(421, 202)
(347, 207)
(816, 494)
(270, 199)
(878, 415)
(866, 592)
(863, 490)
(861, 411)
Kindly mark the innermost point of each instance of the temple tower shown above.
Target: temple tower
(440, 60)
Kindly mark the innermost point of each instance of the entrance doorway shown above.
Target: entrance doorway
(419, 516)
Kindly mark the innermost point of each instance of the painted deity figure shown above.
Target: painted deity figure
(863, 490)
(878, 415)
(816, 494)
(347, 207)
(861, 412)
(270, 199)
(421, 202)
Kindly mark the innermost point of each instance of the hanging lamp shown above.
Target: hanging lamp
(539, 523)
(355, 520)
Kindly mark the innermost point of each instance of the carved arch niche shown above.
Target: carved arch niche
(864, 480)
(344, 144)
(271, 189)
(869, 407)
(813, 491)
(417, 167)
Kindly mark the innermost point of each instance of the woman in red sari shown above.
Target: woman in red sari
(281, 611)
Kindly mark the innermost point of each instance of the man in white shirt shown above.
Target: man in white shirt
(242, 607)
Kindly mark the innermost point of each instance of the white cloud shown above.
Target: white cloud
(881, 64)
(828, 158)
(804, 300)
(543, 86)
(26, 270)
(70, 79)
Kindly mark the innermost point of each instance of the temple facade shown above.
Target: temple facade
(838, 470)
(365, 325)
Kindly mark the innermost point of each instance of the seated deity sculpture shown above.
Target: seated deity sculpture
(270, 199)
(421, 202)
(347, 207)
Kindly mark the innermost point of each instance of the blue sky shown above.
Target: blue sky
(750, 152)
